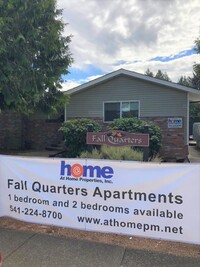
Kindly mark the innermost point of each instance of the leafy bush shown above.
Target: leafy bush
(133, 125)
(95, 154)
(114, 153)
(75, 132)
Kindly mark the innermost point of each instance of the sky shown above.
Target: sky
(130, 34)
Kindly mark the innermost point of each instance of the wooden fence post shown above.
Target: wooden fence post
(90, 130)
(146, 149)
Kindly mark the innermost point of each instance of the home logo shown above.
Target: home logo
(89, 171)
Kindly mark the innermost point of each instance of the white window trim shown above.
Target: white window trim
(121, 101)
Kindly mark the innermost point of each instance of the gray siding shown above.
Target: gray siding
(155, 100)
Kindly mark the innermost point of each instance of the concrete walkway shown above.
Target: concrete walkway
(21, 249)
(194, 154)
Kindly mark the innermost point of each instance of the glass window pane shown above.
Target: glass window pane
(111, 111)
(126, 107)
(130, 109)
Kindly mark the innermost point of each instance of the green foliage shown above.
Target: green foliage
(196, 67)
(121, 153)
(149, 73)
(186, 81)
(162, 76)
(75, 135)
(133, 125)
(195, 80)
(195, 111)
(114, 153)
(95, 154)
(34, 55)
(53, 101)
(159, 75)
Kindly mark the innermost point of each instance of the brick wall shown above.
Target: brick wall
(173, 140)
(11, 130)
(20, 132)
(41, 133)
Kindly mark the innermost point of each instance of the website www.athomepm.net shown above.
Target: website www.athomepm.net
(144, 227)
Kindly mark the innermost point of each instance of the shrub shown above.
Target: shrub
(114, 153)
(133, 125)
(75, 132)
(95, 154)
(121, 153)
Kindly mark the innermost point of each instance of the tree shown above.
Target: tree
(34, 55)
(195, 81)
(162, 76)
(149, 73)
(196, 67)
(186, 81)
(159, 75)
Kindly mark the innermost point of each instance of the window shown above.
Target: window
(111, 111)
(122, 109)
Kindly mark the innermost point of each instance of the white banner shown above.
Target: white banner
(139, 199)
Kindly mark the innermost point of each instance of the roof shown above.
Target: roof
(194, 94)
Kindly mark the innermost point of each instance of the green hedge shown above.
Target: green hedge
(75, 132)
(133, 125)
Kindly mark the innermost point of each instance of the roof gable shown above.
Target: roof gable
(194, 95)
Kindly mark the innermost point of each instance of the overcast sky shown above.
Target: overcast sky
(131, 34)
